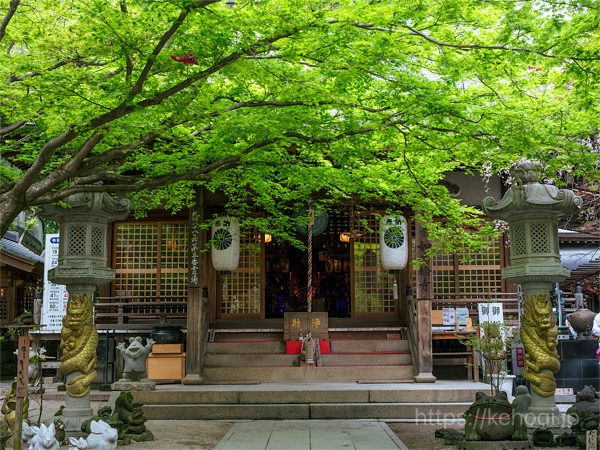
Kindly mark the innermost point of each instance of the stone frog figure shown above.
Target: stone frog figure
(135, 355)
(493, 419)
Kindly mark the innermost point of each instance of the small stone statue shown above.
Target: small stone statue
(543, 437)
(28, 432)
(132, 416)
(9, 408)
(102, 437)
(44, 439)
(135, 355)
(308, 349)
(522, 400)
(492, 419)
(585, 410)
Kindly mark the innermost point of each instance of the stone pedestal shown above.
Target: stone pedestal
(76, 411)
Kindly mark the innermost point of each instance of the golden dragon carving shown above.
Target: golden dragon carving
(79, 341)
(539, 335)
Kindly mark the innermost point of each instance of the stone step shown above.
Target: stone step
(337, 346)
(319, 393)
(274, 411)
(249, 360)
(367, 359)
(245, 347)
(369, 346)
(267, 360)
(220, 375)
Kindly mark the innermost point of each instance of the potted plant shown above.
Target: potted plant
(493, 344)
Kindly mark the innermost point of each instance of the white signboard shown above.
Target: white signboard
(490, 312)
(54, 306)
(448, 316)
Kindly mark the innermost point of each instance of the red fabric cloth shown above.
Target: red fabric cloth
(295, 347)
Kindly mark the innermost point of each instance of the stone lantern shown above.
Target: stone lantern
(532, 210)
(83, 224)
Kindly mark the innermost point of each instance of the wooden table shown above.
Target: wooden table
(471, 355)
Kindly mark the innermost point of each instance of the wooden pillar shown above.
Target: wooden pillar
(424, 300)
(197, 307)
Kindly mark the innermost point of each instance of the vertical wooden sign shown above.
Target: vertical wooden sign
(424, 272)
(23, 367)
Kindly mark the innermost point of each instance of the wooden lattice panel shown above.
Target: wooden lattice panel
(150, 260)
(443, 274)
(174, 249)
(468, 273)
(26, 296)
(372, 284)
(481, 272)
(136, 247)
(241, 289)
(443, 281)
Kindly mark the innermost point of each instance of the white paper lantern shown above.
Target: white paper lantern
(225, 250)
(393, 242)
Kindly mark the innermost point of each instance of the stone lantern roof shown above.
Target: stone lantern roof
(528, 195)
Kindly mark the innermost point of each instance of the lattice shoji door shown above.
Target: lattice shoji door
(136, 260)
(481, 272)
(468, 274)
(373, 294)
(444, 274)
(150, 260)
(173, 262)
(241, 289)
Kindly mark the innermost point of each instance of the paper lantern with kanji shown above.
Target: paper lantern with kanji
(225, 249)
(393, 242)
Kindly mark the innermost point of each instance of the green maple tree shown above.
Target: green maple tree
(278, 101)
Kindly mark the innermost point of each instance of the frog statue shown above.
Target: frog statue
(493, 419)
(135, 355)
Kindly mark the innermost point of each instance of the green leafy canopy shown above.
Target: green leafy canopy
(291, 99)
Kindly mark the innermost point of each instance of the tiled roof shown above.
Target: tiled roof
(9, 245)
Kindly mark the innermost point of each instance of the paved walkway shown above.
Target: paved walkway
(310, 434)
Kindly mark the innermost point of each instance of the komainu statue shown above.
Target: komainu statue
(79, 340)
(539, 335)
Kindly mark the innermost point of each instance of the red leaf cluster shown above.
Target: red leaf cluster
(188, 59)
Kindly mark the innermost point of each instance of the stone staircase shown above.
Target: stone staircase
(367, 375)
(358, 356)
(273, 401)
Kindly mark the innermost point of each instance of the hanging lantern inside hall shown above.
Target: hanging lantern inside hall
(393, 242)
(225, 249)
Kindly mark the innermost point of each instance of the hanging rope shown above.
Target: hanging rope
(309, 293)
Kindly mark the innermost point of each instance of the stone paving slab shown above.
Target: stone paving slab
(310, 434)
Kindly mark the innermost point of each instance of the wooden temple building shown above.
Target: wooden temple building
(374, 325)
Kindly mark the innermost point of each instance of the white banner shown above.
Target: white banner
(490, 312)
(54, 306)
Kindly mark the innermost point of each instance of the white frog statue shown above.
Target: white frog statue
(102, 437)
(44, 439)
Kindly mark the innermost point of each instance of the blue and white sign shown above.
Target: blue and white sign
(54, 306)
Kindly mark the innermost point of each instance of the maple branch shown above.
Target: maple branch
(12, 9)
